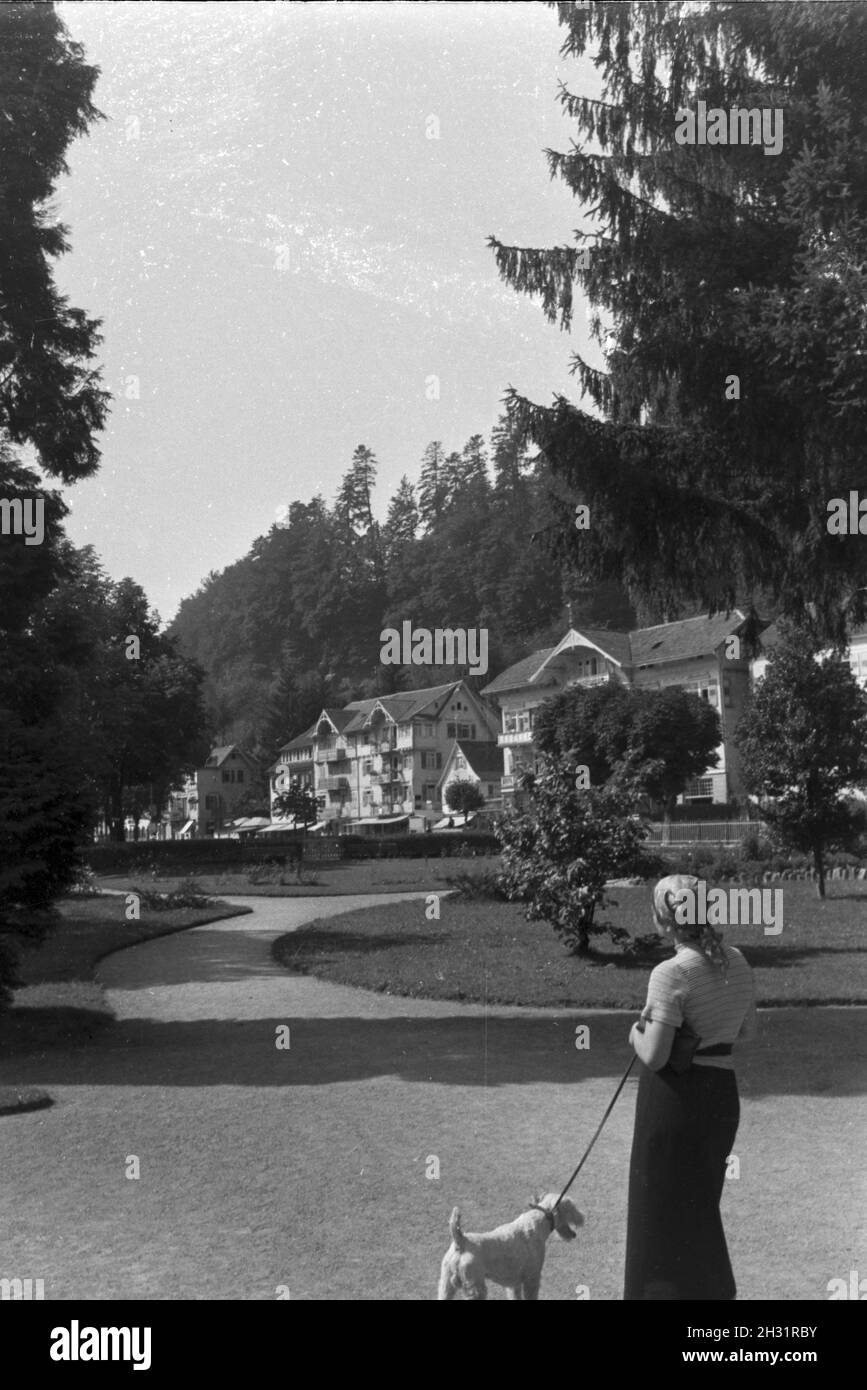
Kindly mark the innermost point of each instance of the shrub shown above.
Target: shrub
(472, 886)
(84, 884)
(185, 895)
(558, 855)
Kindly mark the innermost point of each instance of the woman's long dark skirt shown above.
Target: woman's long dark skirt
(685, 1126)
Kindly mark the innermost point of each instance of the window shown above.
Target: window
(368, 765)
(211, 803)
(706, 690)
(240, 774)
(460, 760)
(700, 789)
(490, 789)
(225, 775)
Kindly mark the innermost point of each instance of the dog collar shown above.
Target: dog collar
(534, 1206)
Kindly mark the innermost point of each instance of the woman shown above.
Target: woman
(685, 1121)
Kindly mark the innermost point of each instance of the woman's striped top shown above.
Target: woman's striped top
(691, 989)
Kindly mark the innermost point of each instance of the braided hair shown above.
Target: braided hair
(701, 935)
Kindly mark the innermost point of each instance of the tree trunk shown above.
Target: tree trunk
(115, 812)
(819, 861)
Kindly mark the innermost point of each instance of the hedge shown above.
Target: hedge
(185, 855)
(422, 846)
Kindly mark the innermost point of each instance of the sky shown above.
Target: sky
(284, 259)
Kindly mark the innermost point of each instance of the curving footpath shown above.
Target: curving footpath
(327, 1169)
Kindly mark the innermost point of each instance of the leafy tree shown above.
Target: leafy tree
(299, 802)
(657, 741)
(560, 851)
(590, 727)
(803, 741)
(674, 738)
(464, 797)
(130, 703)
(705, 264)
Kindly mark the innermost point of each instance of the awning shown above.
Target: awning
(184, 829)
(287, 826)
(380, 820)
(251, 823)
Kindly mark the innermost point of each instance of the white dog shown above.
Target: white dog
(511, 1255)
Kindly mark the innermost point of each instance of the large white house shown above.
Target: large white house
(380, 762)
(696, 654)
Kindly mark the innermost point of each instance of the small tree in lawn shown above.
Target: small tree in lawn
(558, 854)
(804, 747)
(463, 797)
(300, 803)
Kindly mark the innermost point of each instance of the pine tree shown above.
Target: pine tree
(432, 492)
(51, 401)
(402, 521)
(510, 462)
(50, 395)
(729, 289)
(473, 473)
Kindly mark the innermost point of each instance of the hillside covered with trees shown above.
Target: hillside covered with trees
(296, 623)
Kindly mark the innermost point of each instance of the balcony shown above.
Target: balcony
(513, 739)
(341, 756)
(585, 682)
(384, 779)
(334, 784)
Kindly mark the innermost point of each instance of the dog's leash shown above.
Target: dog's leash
(586, 1153)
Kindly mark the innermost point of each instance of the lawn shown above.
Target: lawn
(487, 952)
(59, 1000)
(325, 880)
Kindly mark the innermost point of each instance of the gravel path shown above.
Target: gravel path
(328, 1169)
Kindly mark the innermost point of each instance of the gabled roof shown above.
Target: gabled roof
(645, 646)
(519, 674)
(304, 740)
(339, 718)
(485, 759)
(402, 706)
(691, 637)
(611, 644)
(218, 756)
